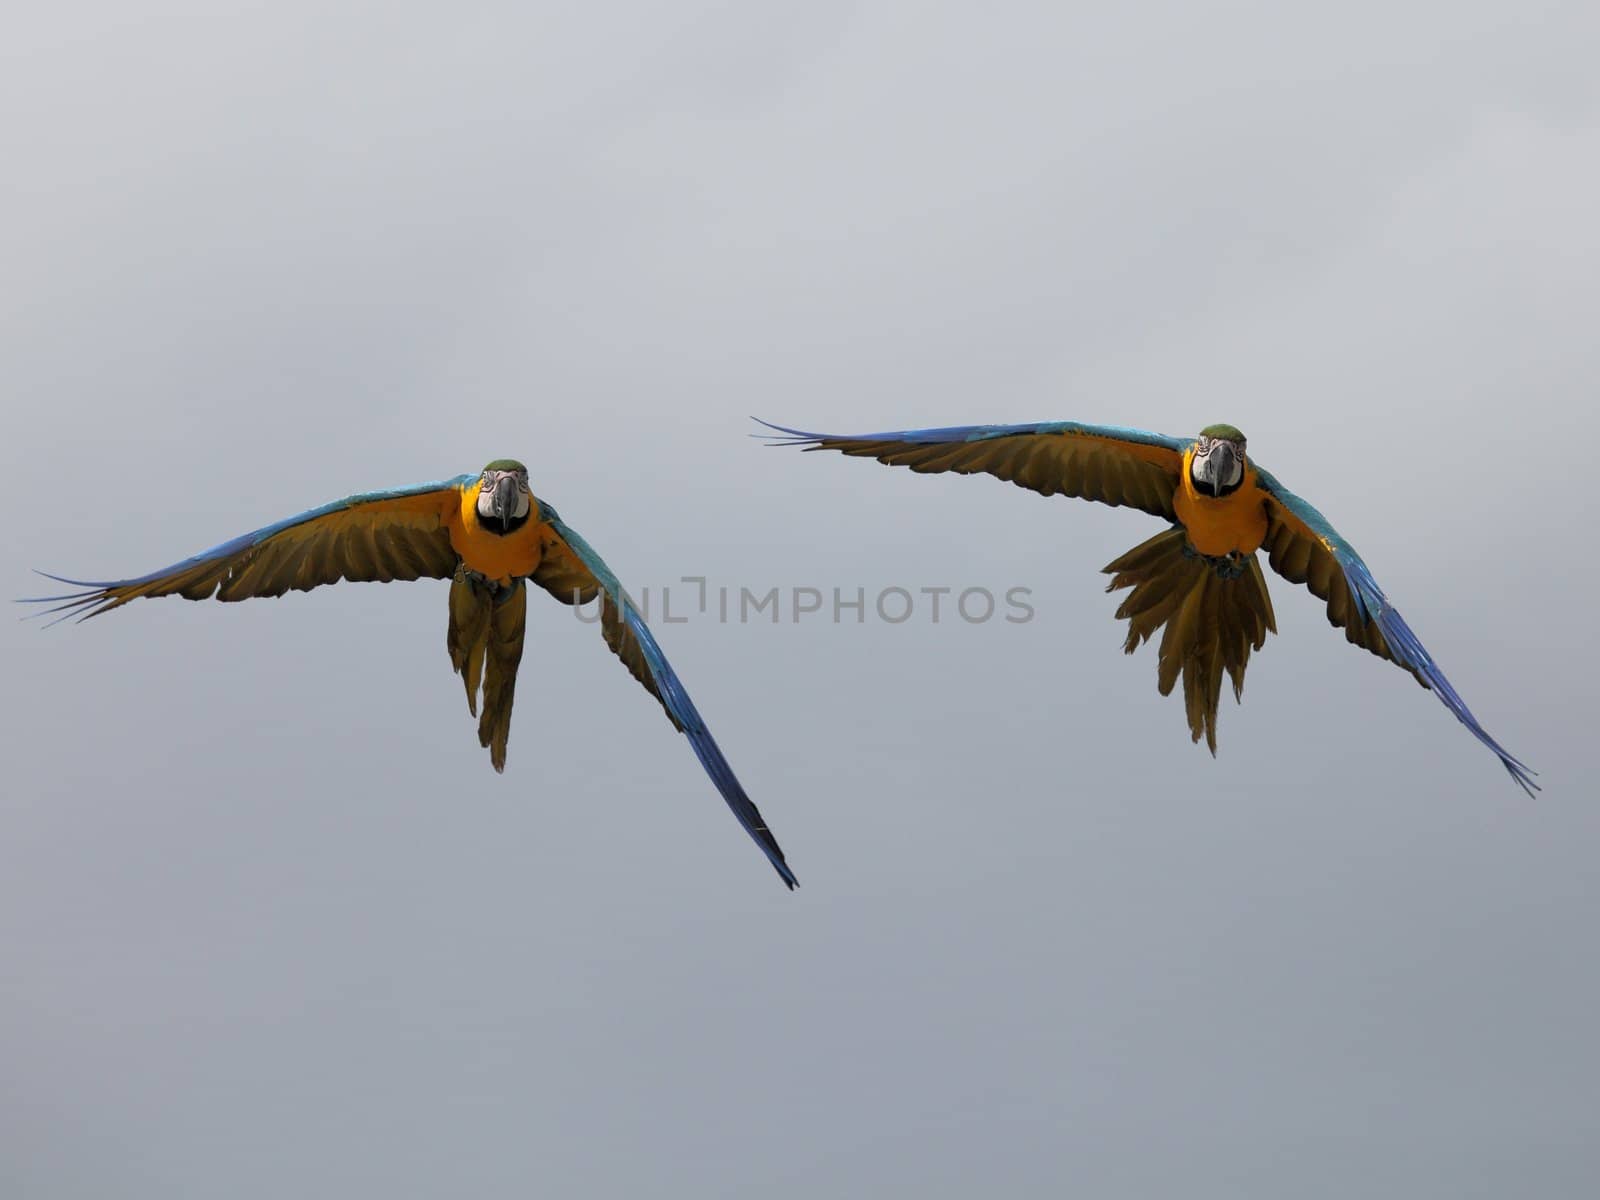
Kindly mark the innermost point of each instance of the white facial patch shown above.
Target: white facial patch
(487, 490)
(1205, 466)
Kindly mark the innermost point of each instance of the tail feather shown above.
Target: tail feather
(1252, 620)
(1157, 576)
(485, 639)
(1148, 553)
(1155, 604)
(468, 635)
(1211, 614)
(1236, 628)
(506, 629)
(1203, 684)
(1180, 643)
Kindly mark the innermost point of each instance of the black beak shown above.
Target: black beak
(1223, 460)
(1217, 466)
(505, 497)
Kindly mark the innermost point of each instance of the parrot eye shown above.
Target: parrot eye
(1203, 444)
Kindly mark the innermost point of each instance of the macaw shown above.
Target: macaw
(1199, 579)
(487, 533)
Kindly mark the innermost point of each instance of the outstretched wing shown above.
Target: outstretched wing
(1304, 548)
(1092, 462)
(572, 572)
(569, 579)
(378, 536)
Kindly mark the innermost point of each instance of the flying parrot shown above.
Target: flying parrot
(1199, 580)
(487, 533)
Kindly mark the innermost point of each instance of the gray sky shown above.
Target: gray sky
(271, 925)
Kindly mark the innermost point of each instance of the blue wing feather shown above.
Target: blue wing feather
(975, 433)
(1404, 645)
(677, 700)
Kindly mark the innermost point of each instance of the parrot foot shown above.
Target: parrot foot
(1227, 566)
(493, 587)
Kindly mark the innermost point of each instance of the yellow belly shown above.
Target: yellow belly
(1218, 526)
(501, 557)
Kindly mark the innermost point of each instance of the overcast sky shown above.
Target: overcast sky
(269, 923)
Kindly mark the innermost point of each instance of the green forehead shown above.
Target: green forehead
(1228, 433)
(506, 464)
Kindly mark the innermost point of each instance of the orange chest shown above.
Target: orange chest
(501, 557)
(1221, 525)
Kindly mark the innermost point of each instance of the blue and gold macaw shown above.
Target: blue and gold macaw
(1199, 579)
(487, 533)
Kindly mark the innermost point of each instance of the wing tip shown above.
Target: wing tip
(1523, 774)
(681, 709)
(779, 863)
(83, 604)
(782, 435)
(68, 604)
(1407, 650)
(790, 880)
(82, 583)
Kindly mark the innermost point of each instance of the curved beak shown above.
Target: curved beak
(1217, 466)
(1225, 459)
(504, 500)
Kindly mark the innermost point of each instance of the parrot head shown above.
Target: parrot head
(504, 497)
(1217, 467)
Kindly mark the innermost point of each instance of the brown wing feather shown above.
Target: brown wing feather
(1069, 463)
(563, 575)
(364, 539)
(1300, 556)
(376, 542)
